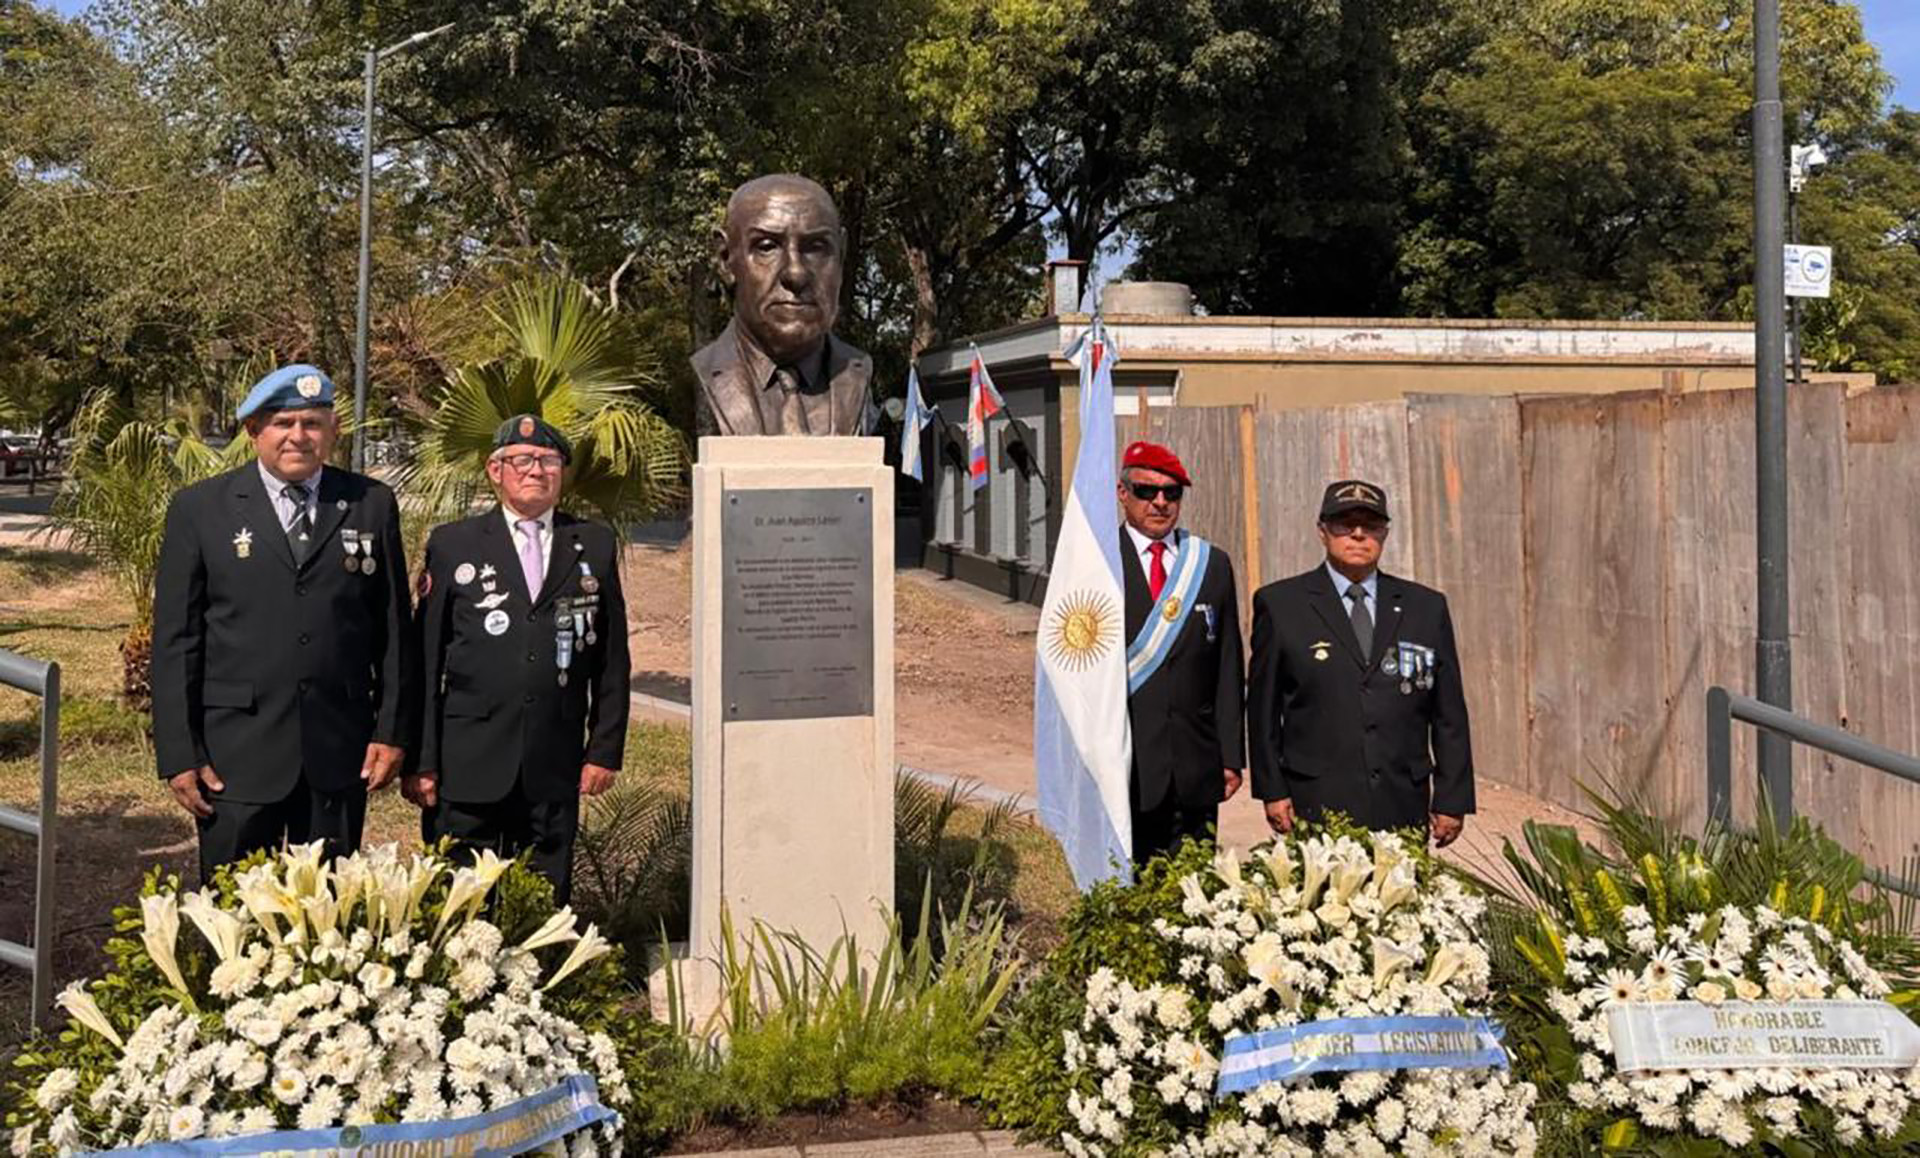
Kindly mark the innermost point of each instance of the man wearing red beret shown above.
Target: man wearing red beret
(1185, 676)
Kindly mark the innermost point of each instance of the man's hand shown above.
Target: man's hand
(422, 789)
(1234, 778)
(594, 779)
(186, 789)
(381, 766)
(1446, 829)
(1280, 815)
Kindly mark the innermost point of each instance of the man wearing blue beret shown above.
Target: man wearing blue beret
(523, 635)
(283, 686)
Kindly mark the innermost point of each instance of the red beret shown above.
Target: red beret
(1153, 456)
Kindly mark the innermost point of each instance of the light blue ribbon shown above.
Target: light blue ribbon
(1151, 647)
(1341, 1044)
(525, 1125)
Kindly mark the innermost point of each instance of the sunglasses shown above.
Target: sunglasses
(1145, 492)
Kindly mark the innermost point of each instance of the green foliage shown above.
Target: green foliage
(1111, 926)
(119, 480)
(802, 1028)
(572, 364)
(930, 852)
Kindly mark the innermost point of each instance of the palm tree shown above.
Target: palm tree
(113, 506)
(573, 362)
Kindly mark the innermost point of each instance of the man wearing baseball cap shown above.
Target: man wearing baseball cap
(283, 689)
(1355, 704)
(523, 637)
(1185, 674)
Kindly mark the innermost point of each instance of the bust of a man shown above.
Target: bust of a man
(777, 368)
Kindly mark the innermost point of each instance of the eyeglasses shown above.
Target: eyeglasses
(525, 463)
(1339, 529)
(1146, 491)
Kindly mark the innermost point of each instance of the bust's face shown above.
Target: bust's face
(781, 251)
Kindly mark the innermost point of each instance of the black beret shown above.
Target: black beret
(532, 430)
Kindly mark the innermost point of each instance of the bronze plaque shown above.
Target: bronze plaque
(797, 626)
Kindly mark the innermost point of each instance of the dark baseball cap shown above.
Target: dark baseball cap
(1352, 494)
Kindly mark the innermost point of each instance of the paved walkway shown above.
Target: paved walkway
(929, 1146)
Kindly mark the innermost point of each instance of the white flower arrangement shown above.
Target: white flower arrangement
(364, 990)
(1323, 927)
(1731, 954)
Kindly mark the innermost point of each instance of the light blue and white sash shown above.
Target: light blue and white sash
(1358, 1043)
(1149, 649)
(525, 1125)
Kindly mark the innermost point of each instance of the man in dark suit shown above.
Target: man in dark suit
(523, 637)
(1184, 661)
(283, 689)
(1355, 702)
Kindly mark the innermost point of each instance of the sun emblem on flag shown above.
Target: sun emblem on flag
(1082, 627)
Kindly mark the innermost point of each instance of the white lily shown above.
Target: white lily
(465, 887)
(1445, 963)
(1388, 854)
(160, 929)
(1316, 861)
(81, 1006)
(1399, 887)
(590, 947)
(1346, 879)
(1280, 864)
(1226, 863)
(223, 930)
(1388, 959)
(559, 927)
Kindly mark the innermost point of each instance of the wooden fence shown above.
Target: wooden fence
(1598, 554)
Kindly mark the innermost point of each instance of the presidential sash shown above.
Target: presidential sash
(1149, 649)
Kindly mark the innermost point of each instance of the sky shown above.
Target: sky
(1893, 25)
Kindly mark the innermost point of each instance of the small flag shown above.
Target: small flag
(1082, 745)
(983, 402)
(911, 424)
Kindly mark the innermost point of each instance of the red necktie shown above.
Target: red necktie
(1157, 574)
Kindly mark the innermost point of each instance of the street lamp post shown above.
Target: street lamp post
(374, 57)
(1773, 653)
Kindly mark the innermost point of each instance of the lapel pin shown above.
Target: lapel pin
(339, 504)
(243, 543)
(463, 574)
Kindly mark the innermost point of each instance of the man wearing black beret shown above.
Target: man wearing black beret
(1354, 701)
(523, 637)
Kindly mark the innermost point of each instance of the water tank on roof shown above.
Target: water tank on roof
(1167, 299)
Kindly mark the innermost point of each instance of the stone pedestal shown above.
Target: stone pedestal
(792, 696)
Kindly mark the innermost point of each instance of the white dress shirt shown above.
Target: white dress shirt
(520, 536)
(284, 507)
(1370, 585)
(1143, 547)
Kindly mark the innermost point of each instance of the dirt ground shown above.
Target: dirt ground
(963, 671)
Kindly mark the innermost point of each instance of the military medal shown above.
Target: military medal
(350, 541)
(563, 650)
(1172, 612)
(243, 543)
(1320, 651)
(1390, 665)
(587, 582)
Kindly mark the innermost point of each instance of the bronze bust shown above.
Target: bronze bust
(777, 368)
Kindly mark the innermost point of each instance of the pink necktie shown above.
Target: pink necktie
(531, 564)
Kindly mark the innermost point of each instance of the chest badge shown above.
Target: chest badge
(1320, 650)
(243, 543)
(496, 622)
(1171, 613)
(491, 602)
(463, 574)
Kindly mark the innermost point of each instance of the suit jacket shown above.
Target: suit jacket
(493, 708)
(1186, 719)
(1333, 731)
(266, 670)
(730, 397)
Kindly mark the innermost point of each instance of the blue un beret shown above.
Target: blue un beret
(295, 387)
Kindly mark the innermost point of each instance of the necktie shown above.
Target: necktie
(300, 530)
(793, 406)
(533, 566)
(1157, 574)
(1362, 620)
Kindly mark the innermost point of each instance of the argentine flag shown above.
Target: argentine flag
(911, 424)
(1082, 748)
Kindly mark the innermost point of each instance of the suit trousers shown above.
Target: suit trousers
(513, 825)
(237, 830)
(1161, 829)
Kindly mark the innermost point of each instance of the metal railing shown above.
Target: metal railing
(43, 680)
(1724, 707)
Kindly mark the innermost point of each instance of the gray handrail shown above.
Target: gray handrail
(1724, 707)
(41, 679)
